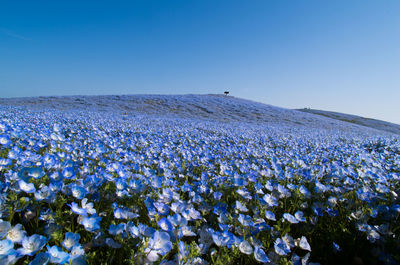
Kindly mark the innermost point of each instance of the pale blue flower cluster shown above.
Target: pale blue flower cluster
(174, 191)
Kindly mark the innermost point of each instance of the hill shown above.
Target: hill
(354, 119)
(218, 108)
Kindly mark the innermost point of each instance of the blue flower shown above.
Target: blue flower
(165, 224)
(260, 255)
(270, 215)
(5, 140)
(299, 216)
(57, 255)
(71, 240)
(6, 247)
(91, 224)
(245, 247)
(303, 244)
(270, 200)
(68, 173)
(159, 244)
(241, 207)
(162, 208)
(78, 191)
(4, 227)
(245, 220)
(16, 234)
(27, 187)
(116, 229)
(217, 195)
(281, 248)
(41, 258)
(76, 209)
(290, 218)
(32, 244)
(132, 229)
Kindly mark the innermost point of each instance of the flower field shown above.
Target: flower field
(96, 188)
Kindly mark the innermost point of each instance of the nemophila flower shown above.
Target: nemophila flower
(218, 238)
(318, 211)
(187, 231)
(41, 258)
(217, 195)
(56, 186)
(162, 208)
(27, 187)
(36, 172)
(260, 255)
(44, 193)
(91, 224)
(132, 229)
(116, 229)
(270, 200)
(244, 193)
(178, 207)
(288, 240)
(16, 234)
(6, 247)
(32, 244)
(281, 248)
(71, 240)
(332, 201)
(78, 250)
(4, 162)
(5, 140)
(245, 247)
(320, 188)
(165, 224)
(270, 215)
(245, 220)
(191, 214)
(76, 209)
(78, 191)
(56, 176)
(4, 227)
(57, 255)
(303, 243)
(177, 220)
(290, 218)
(373, 235)
(299, 216)
(88, 206)
(120, 213)
(68, 173)
(159, 245)
(283, 192)
(240, 207)
(146, 231)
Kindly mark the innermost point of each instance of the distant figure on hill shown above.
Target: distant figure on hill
(226, 93)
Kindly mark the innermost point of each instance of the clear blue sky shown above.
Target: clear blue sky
(333, 55)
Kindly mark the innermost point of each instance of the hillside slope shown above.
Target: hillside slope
(354, 119)
(206, 107)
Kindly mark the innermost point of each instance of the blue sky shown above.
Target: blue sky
(340, 55)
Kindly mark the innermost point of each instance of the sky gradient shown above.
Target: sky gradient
(333, 55)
